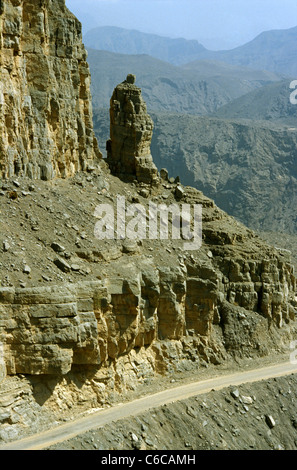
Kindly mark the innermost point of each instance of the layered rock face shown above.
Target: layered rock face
(131, 130)
(235, 295)
(48, 330)
(46, 128)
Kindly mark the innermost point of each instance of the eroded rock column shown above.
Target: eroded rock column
(131, 129)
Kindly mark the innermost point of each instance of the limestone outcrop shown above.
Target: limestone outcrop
(46, 127)
(131, 129)
(48, 330)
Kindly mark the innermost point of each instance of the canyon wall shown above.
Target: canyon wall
(46, 127)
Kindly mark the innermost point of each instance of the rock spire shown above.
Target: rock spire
(131, 129)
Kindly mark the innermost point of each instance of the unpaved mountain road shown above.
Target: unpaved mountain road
(104, 417)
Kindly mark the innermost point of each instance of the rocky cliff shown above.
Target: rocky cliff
(46, 128)
(83, 318)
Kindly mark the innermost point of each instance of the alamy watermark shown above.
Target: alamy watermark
(155, 222)
(293, 354)
(293, 95)
(2, 363)
(1, 353)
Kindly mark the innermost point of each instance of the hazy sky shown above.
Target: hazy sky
(220, 23)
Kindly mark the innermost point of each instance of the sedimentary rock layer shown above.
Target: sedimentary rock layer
(201, 308)
(46, 127)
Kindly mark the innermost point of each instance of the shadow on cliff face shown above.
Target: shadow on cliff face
(43, 389)
(64, 392)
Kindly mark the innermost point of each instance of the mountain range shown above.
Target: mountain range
(125, 41)
(271, 50)
(198, 88)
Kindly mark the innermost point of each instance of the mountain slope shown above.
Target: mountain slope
(200, 89)
(271, 50)
(270, 103)
(250, 171)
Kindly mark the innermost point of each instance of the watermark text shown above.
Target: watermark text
(155, 222)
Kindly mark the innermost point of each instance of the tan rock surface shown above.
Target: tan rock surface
(46, 127)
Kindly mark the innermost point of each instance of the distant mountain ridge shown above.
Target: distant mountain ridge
(274, 50)
(271, 103)
(271, 50)
(226, 129)
(125, 41)
(199, 88)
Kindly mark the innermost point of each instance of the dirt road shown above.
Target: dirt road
(105, 417)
